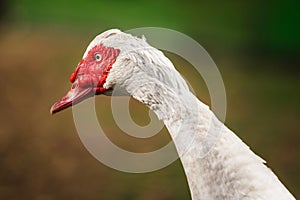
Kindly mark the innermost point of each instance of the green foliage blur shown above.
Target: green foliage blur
(255, 45)
(271, 25)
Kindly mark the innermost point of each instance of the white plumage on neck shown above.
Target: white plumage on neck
(218, 165)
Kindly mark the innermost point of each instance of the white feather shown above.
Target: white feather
(229, 170)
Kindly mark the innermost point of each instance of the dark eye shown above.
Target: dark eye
(98, 56)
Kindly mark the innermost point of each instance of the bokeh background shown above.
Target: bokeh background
(255, 45)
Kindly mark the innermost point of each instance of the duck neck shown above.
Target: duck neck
(193, 127)
(217, 164)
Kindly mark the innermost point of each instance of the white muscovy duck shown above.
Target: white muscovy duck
(230, 170)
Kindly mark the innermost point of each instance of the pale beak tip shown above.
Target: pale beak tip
(52, 110)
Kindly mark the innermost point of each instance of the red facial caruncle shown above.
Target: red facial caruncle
(89, 76)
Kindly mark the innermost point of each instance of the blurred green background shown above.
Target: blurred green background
(255, 45)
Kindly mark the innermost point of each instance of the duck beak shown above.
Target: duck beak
(74, 96)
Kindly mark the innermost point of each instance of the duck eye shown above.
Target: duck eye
(97, 56)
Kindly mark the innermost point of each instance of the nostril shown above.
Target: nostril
(74, 85)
